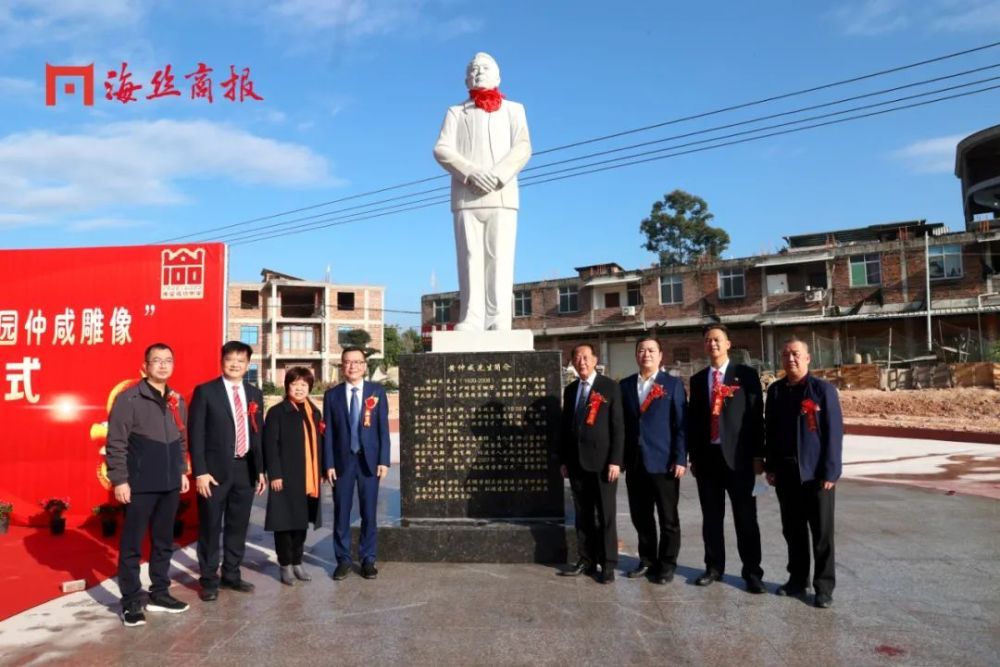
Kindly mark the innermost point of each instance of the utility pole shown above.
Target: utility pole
(927, 280)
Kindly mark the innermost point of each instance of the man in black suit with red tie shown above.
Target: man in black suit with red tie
(591, 448)
(726, 445)
(225, 422)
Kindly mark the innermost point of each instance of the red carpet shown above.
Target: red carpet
(35, 563)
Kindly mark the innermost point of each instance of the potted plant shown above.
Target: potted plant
(182, 507)
(106, 513)
(5, 509)
(55, 507)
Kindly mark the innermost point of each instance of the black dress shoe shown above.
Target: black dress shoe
(707, 578)
(791, 590)
(662, 577)
(640, 571)
(608, 574)
(240, 586)
(343, 569)
(823, 600)
(208, 594)
(580, 567)
(755, 585)
(368, 570)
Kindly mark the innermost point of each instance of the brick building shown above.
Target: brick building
(850, 293)
(293, 322)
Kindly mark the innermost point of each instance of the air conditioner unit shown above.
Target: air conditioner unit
(628, 311)
(815, 295)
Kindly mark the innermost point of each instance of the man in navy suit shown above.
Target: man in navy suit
(726, 444)
(224, 435)
(805, 434)
(356, 440)
(655, 409)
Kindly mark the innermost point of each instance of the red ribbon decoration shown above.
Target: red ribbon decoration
(487, 99)
(809, 409)
(593, 405)
(655, 392)
(252, 411)
(173, 402)
(719, 394)
(370, 404)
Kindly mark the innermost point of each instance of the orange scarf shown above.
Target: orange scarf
(312, 464)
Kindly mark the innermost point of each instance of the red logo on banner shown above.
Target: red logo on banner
(183, 274)
(55, 72)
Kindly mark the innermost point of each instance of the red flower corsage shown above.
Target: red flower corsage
(809, 409)
(593, 405)
(370, 404)
(252, 409)
(655, 392)
(322, 427)
(173, 402)
(719, 394)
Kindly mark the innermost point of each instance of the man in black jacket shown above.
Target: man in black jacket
(591, 447)
(726, 444)
(147, 464)
(224, 433)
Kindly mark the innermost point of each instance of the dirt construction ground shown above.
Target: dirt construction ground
(973, 409)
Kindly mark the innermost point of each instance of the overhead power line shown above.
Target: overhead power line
(743, 105)
(627, 160)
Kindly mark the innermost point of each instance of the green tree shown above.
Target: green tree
(393, 347)
(678, 230)
(411, 341)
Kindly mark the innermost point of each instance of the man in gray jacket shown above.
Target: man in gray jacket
(147, 465)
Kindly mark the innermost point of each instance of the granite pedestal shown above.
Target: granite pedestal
(479, 475)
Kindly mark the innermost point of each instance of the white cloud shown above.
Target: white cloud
(930, 156)
(92, 224)
(25, 22)
(876, 17)
(20, 89)
(871, 17)
(142, 163)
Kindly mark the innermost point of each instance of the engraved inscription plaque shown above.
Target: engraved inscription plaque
(478, 436)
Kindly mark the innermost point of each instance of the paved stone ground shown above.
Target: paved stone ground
(918, 584)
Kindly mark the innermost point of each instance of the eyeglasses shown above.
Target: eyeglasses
(355, 363)
(156, 361)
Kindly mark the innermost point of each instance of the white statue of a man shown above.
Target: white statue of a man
(484, 143)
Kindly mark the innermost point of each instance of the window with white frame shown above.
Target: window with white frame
(522, 303)
(732, 284)
(945, 261)
(442, 311)
(569, 299)
(866, 270)
(298, 339)
(671, 289)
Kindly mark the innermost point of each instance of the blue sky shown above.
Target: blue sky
(355, 91)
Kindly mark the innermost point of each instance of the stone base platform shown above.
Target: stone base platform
(507, 541)
(516, 340)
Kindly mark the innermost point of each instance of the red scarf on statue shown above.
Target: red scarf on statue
(487, 99)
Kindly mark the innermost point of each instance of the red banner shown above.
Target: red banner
(74, 324)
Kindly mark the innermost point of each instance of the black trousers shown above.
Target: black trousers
(155, 511)
(649, 492)
(596, 516)
(715, 480)
(806, 507)
(289, 545)
(227, 511)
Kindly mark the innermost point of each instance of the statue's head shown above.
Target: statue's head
(482, 72)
